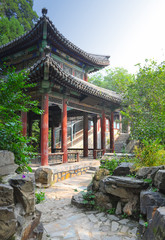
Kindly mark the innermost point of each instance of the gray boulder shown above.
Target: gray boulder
(150, 201)
(155, 229)
(159, 180)
(8, 223)
(7, 165)
(148, 172)
(126, 189)
(43, 176)
(6, 195)
(123, 169)
(24, 193)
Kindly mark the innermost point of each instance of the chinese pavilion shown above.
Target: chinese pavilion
(60, 70)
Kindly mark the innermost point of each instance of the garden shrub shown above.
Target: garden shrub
(150, 153)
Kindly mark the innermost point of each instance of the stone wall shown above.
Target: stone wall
(46, 176)
(19, 219)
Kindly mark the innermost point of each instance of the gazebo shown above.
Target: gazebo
(60, 70)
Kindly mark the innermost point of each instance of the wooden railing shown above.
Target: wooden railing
(73, 157)
(55, 158)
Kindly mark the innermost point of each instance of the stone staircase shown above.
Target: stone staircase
(121, 142)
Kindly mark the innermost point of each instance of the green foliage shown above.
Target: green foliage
(150, 153)
(88, 197)
(116, 79)
(153, 189)
(14, 99)
(9, 29)
(111, 211)
(124, 215)
(146, 224)
(39, 196)
(22, 10)
(16, 17)
(144, 103)
(148, 180)
(112, 164)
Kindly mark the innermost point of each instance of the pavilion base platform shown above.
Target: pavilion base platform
(45, 176)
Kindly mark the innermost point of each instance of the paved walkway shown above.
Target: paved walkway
(63, 221)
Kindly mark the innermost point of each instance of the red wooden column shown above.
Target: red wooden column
(86, 77)
(85, 135)
(64, 130)
(52, 139)
(103, 129)
(30, 122)
(24, 123)
(95, 137)
(44, 129)
(112, 133)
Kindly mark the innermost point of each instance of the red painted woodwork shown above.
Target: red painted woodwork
(44, 129)
(64, 131)
(53, 146)
(94, 136)
(85, 135)
(24, 123)
(30, 121)
(86, 77)
(103, 130)
(112, 133)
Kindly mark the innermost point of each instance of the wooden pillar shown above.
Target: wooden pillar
(86, 77)
(30, 122)
(53, 144)
(103, 129)
(112, 133)
(44, 129)
(85, 135)
(94, 137)
(64, 130)
(24, 123)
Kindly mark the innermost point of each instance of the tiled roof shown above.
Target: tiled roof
(57, 75)
(36, 34)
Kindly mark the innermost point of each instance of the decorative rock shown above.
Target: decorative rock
(100, 174)
(149, 201)
(118, 208)
(24, 193)
(43, 177)
(25, 231)
(38, 231)
(130, 206)
(8, 223)
(148, 172)
(125, 182)
(103, 200)
(7, 165)
(77, 200)
(123, 169)
(126, 189)
(6, 195)
(156, 227)
(159, 180)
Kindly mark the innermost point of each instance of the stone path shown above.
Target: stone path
(64, 221)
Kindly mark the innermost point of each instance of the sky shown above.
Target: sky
(129, 31)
